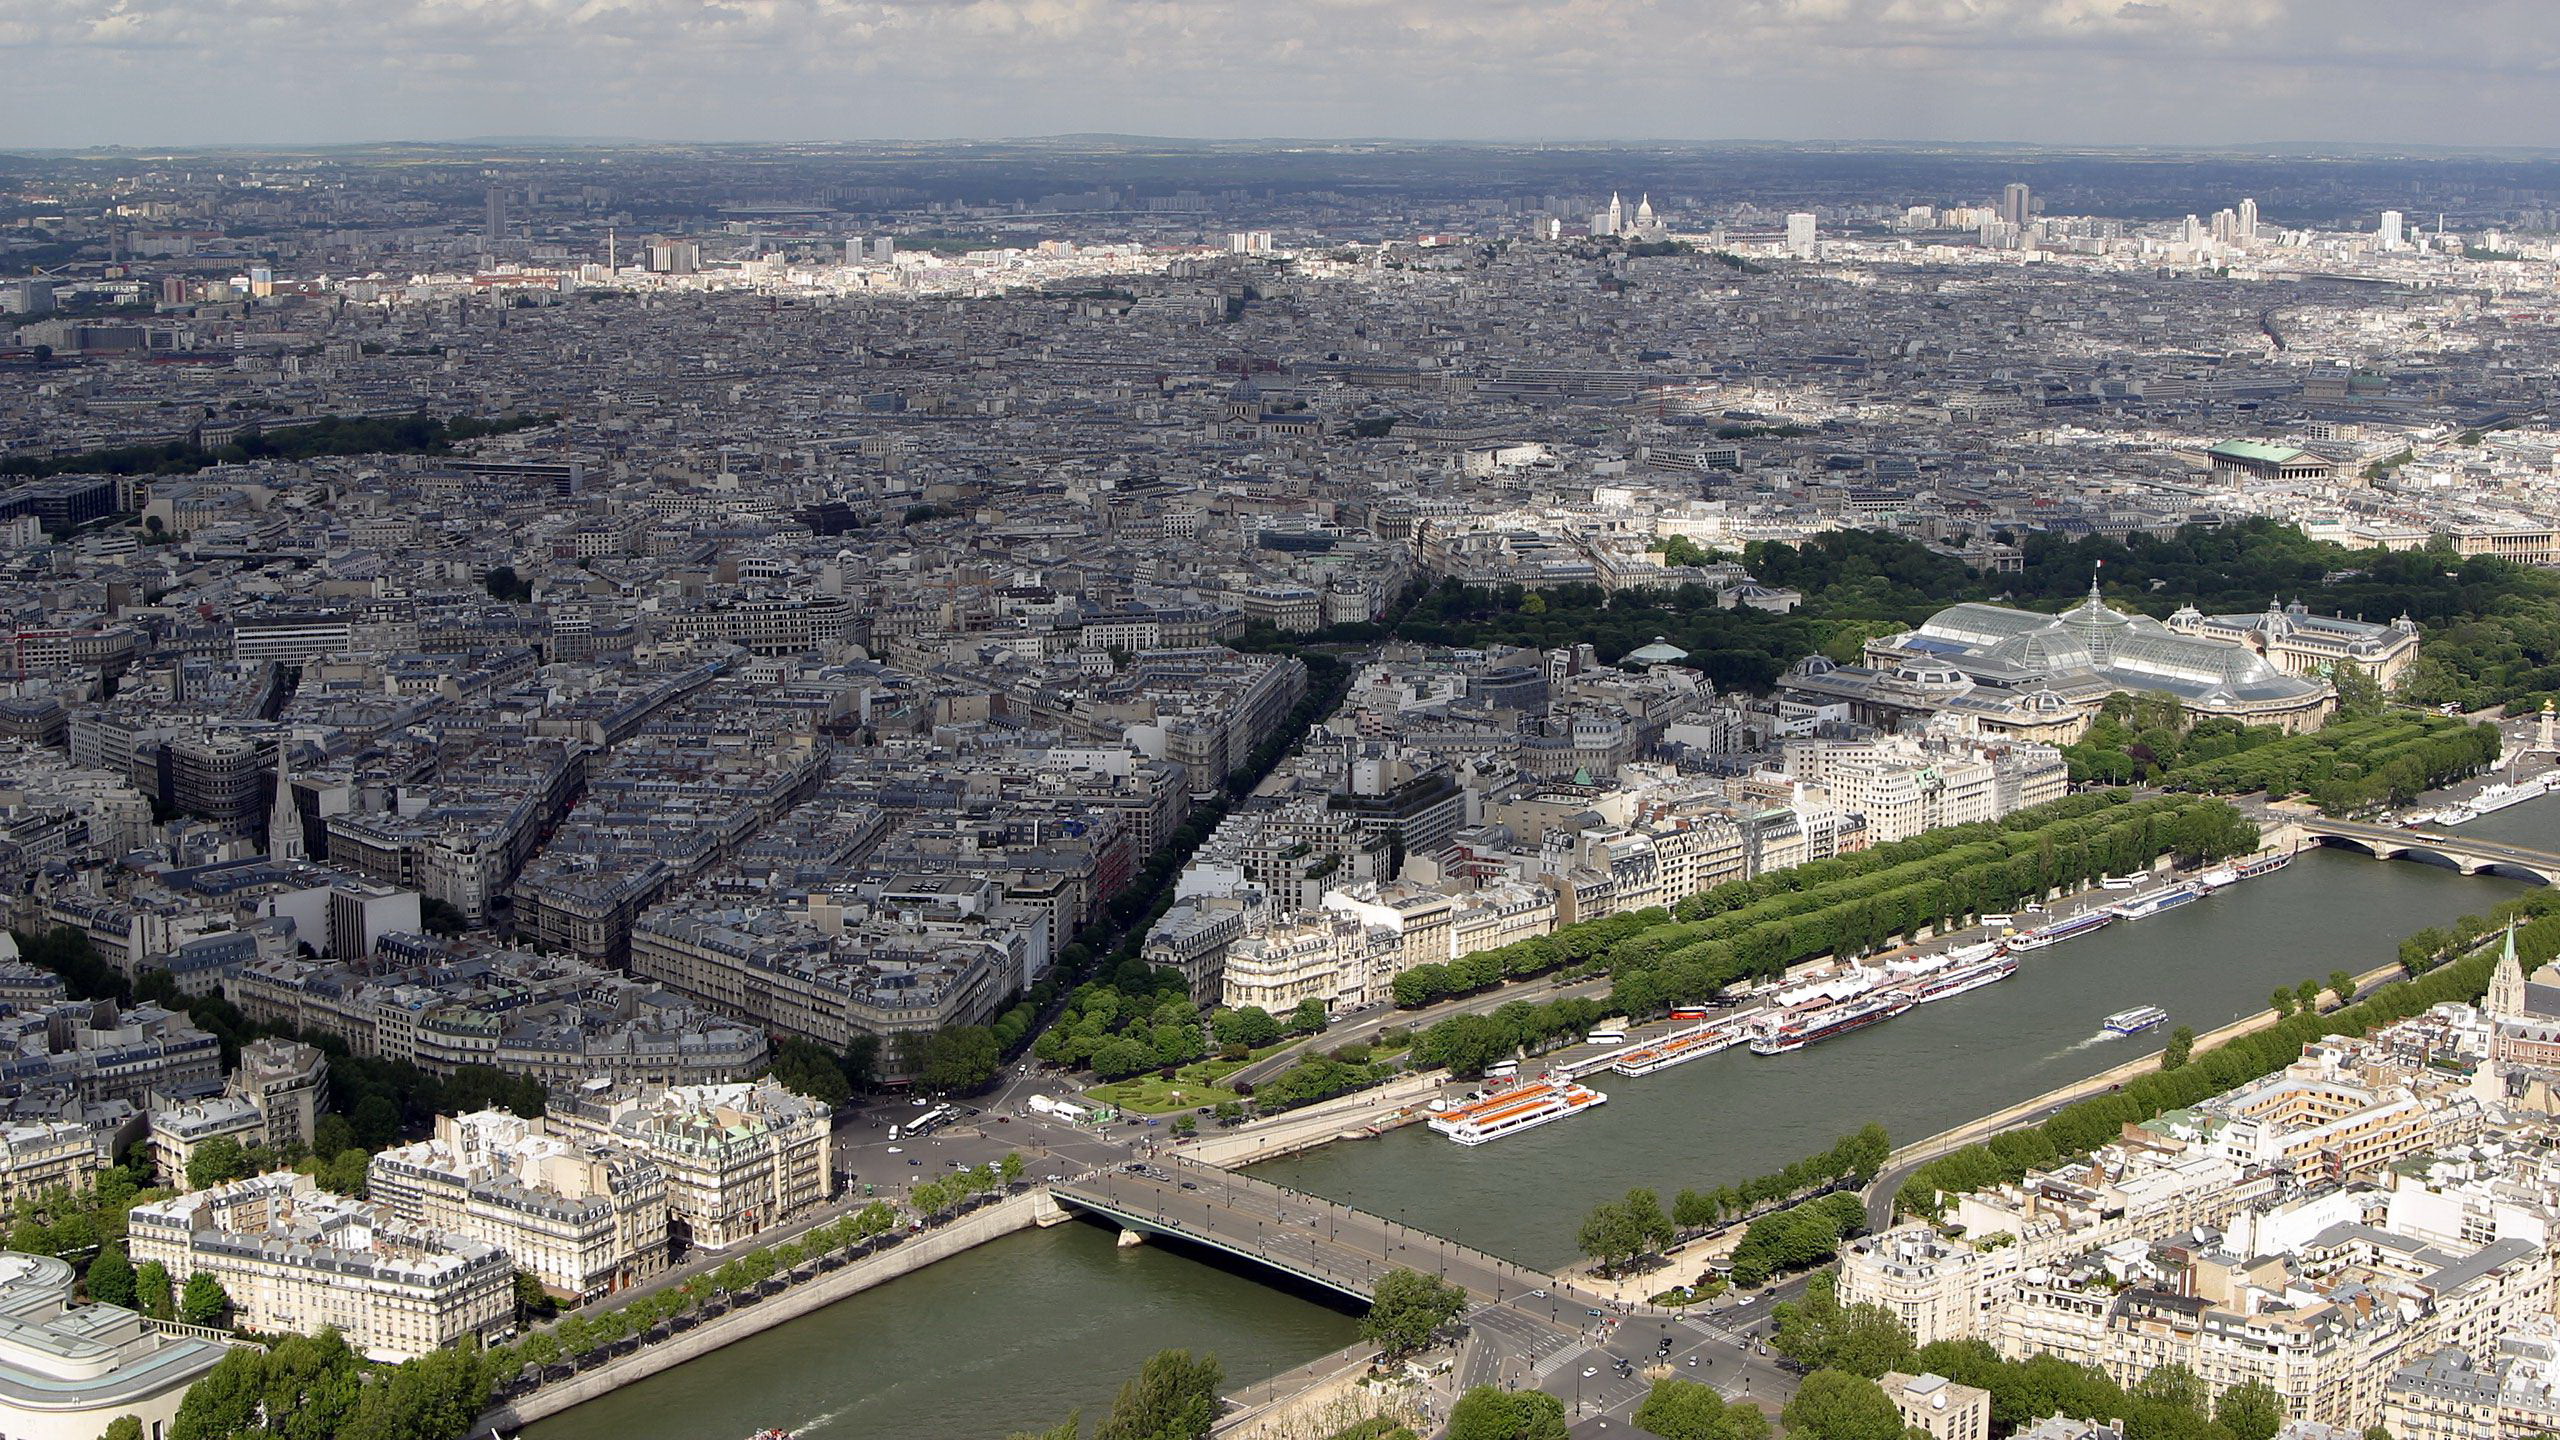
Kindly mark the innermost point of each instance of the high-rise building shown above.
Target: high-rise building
(2248, 220)
(853, 249)
(1800, 236)
(2388, 238)
(2014, 202)
(493, 225)
(884, 250)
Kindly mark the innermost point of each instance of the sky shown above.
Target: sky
(2133, 72)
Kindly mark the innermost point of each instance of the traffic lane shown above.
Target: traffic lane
(1350, 1248)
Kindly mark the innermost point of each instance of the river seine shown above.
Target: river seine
(1013, 1335)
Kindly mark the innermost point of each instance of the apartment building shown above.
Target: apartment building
(737, 1158)
(585, 1218)
(295, 1258)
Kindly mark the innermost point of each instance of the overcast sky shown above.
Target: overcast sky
(160, 72)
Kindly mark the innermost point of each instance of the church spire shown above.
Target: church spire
(2506, 983)
(284, 819)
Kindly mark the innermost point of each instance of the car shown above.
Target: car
(913, 1160)
(1053, 1177)
(918, 1102)
(1190, 1184)
(1590, 1370)
(1537, 1294)
(897, 1150)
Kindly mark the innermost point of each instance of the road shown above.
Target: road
(1332, 1244)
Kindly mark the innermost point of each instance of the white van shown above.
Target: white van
(1996, 921)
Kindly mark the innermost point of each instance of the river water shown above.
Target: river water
(1011, 1336)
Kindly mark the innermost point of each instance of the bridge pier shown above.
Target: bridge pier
(1130, 1239)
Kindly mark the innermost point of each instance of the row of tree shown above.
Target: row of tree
(1617, 1231)
(2386, 759)
(1852, 1345)
(1850, 904)
(2079, 1128)
(1798, 1237)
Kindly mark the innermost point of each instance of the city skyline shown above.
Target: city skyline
(2060, 72)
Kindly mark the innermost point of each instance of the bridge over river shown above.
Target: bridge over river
(1309, 1239)
(2433, 845)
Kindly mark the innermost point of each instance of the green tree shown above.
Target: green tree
(224, 1402)
(532, 1301)
(959, 1058)
(1408, 1308)
(2252, 1411)
(1485, 1413)
(1174, 1397)
(1067, 1429)
(204, 1301)
(123, 1427)
(811, 1069)
(153, 1294)
(2282, 1000)
(505, 585)
(1309, 1018)
(111, 1277)
(1011, 1167)
(2180, 1049)
(2342, 985)
(1836, 1405)
(2306, 997)
(215, 1161)
(2173, 1385)
(1682, 1410)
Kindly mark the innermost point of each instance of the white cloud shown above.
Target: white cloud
(2129, 70)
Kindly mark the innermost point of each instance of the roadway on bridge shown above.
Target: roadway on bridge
(2432, 839)
(1330, 1244)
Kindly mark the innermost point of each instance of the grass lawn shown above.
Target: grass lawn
(1155, 1095)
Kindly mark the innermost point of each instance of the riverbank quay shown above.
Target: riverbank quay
(1360, 1115)
(795, 1298)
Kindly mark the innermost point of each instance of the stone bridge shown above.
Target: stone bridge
(2432, 845)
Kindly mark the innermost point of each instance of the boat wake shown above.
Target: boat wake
(2101, 1038)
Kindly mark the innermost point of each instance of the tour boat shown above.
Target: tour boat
(1522, 1107)
(2456, 814)
(2267, 864)
(1991, 963)
(2170, 897)
(1676, 1049)
(2220, 877)
(1792, 1030)
(2498, 797)
(2055, 934)
(2135, 1020)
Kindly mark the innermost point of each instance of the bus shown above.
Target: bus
(1688, 1012)
(1608, 1037)
(927, 1121)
